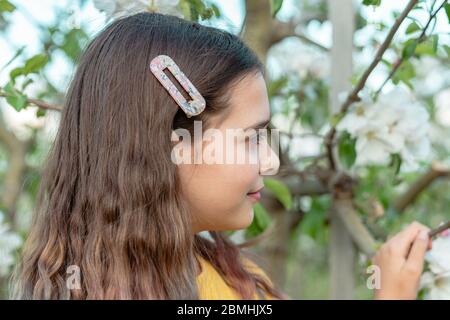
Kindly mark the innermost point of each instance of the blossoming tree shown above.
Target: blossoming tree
(359, 91)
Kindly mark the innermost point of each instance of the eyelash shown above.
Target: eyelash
(258, 137)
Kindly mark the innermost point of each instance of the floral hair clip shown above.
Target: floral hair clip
(191, 108)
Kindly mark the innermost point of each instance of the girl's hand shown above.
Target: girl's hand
(401, 261)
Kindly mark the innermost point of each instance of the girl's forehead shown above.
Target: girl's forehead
(249, 103)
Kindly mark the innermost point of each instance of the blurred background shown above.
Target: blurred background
(360, 91)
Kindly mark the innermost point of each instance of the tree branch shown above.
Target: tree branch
(16, 167)
(36, 102)
(299, 188)
(258, 26)
(436, 171)
(438, 230)
(344, 208)
(282, 30)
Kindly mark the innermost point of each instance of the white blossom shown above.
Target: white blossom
(439, 256)
(431, 75)
(304, 62)
(436, 281)
(9, 243)
(359, 117)
(394, 124)
(442, 104)
(118, 8)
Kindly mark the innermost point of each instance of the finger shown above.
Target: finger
(404, 239)
(416, 257)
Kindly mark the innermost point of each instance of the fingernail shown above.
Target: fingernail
(423, 235)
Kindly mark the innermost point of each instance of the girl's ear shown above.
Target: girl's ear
(175, 137)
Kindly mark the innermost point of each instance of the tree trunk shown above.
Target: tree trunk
(342, 250)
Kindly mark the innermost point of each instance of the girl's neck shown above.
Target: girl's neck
(199, 266)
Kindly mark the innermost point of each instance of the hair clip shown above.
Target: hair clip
(191, 108)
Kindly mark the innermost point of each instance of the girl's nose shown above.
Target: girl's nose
(269, 162)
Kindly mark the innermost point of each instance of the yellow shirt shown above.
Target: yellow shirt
(212, 286)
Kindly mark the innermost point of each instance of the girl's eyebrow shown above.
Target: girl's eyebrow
(259, 125)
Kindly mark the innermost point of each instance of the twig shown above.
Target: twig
(287, 29)
(36, 102)
(44, 105)
(439, 229)
(436, 171)
(419, 39)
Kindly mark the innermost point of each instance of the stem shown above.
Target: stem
(439, 229)
(38, 103)
(436, 171)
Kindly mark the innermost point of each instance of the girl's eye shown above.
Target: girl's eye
(261, 137)
(257, 138)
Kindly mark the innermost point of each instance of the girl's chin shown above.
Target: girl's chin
(241, 219)
(246, 219)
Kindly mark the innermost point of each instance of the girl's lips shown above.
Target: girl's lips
(255, 196)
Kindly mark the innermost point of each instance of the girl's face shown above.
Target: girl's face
(219, 195)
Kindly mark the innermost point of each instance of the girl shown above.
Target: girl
(115, 209)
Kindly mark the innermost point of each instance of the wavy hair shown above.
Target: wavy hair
(110, 199)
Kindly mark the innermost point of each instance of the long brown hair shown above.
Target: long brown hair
(110, 199)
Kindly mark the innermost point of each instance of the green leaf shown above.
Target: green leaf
(447, 50)
(447, 10)
(15, 98)
(261, 215)
(347, 150)
(280, 191)
(6, 6)
(14, 73)
(413, 27)
(314, 221)
(387, 63)
(197, 9)
(276, 85)
(216, 10)
(396, 163)
(206, 14)
(261, 220)
(409, 48)
(337, 118)
(18, 53)
(429, 46)
(32, 65)
(275, 6)
(418, 6)
(372, 2)
(73, 43)
(26, 83)
(35, 63)
(40, 113)
(185, 8)
(404, 74)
